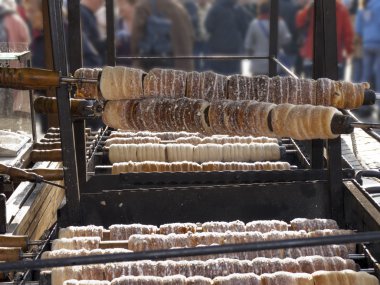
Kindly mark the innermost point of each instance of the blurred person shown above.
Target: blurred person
(124, 28)
(367, 28)
(288, 10)
(345, 36)
(257, 39)
(250, 6)
(202, 36)
(357, 56)
(175, 25)
(227, 23)
(33, 13)
(14, 37)
(94, 47)
(192, 9)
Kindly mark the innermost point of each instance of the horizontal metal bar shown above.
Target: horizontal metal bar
(183, 252)
(205, 57)
(365, 125)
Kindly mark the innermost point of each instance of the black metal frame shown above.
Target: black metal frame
(75, 170)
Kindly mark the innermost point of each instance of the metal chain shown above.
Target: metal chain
(355, 149)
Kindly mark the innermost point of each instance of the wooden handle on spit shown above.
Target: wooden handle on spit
(48, 174)
(47, 105)
(52, 135)
(57, 130)
(114, 244)
(16, 173)
(9, 254)
(28, 78)
(47, 145)
(14, 241)
(46, 155)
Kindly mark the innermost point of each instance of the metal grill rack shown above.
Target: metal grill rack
(322, 189)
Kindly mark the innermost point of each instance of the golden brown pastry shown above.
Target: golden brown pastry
(88, 90)
(119, 82)
(165, 82)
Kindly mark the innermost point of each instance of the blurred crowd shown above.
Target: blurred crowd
(164, 28)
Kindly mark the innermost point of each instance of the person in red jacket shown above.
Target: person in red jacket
(345, 36)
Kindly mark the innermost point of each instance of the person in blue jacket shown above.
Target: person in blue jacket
(367, 28)
(226, 23)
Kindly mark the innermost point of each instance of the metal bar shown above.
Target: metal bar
(317, 160)
(3, 213)
(204, 57)
(366, 125)
(287, 70)
(75, 62)
(273, 37)
(64, 114)
(184, 252)
(110, 19)
(370, 132)
(327, 66)
(32, 112)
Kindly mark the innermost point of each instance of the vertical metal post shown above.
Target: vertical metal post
(3, 213)
(319, 70)
(32, 113)
(75, 60)
(110, 19)
(54, 27)
(273, 37)
(326, 65)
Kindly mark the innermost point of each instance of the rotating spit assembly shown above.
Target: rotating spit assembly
(197, 178)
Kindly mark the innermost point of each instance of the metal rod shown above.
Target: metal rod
(54, 184)
(366, 125)
(273, 37)
(370, 132)
(73, 80)
(291, 73)
(184, 252)
(204, 57)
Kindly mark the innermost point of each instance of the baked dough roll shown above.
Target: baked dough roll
(257, 118)
(275, 90)
(241, 279)
(86, 282)
(117, 114)
(165, 82)
(121, 82)
(201, 113)
(343, 277)
(290, 121)
(134, 140)
(287, 278)
(216, 116)
(88, 90)
(123, 232)
(357, 278)
(239, 88)
(325, 91)
(309, 91)
(84, 231)
(122, 153)
(194, 85)
(213, 86)
(261, 88)
(88, 243)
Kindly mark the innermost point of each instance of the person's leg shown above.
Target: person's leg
(368, 61)
(377, 70)
(356, 75)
